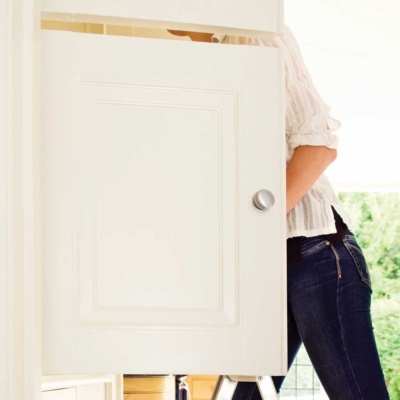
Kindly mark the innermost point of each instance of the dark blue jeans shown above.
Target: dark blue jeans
(329, 298)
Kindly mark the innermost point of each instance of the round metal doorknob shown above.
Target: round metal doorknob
(263, 200)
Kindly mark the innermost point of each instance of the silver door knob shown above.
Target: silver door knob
(263, 200)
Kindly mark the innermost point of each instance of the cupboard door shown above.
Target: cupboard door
(155, 259)
(238, 17)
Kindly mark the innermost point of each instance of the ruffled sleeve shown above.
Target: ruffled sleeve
(315, 132)
(308, 119)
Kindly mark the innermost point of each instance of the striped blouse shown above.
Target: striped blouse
(308, 122)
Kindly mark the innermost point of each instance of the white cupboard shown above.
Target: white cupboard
(131, 242)
(129, 171)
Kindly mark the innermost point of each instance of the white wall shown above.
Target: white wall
(352, 50)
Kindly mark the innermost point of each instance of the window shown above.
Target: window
(302, 382)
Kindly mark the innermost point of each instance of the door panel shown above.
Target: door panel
(247, 18)
(154, 258)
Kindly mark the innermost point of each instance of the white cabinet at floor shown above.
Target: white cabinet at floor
(60, 394)
(91, 392)
(86, 392)
(82, 387)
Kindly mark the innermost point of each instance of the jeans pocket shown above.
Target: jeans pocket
(313, 245)
(357, 255)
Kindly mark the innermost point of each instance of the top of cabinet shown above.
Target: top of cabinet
(253, 18)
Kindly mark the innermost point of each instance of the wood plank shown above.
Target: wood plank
(148, 384)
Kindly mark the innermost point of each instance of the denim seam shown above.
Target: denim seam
(359, 268)
(339, 270)
(313, 249)
(349, 245)
(343, 341)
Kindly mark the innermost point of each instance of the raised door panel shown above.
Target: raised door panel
(247, 18)
(155, 260)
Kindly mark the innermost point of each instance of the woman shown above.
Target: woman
(329, 288)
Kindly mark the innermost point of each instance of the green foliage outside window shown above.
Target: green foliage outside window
(376, 225)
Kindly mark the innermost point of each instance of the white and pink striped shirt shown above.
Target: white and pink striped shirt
(308, 122)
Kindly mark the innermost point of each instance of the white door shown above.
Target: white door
(249, 18)
(155, 259)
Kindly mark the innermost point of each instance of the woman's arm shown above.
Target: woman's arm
(304, 168)
(309, 126)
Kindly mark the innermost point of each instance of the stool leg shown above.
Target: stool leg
(267, 388)
(224, 389)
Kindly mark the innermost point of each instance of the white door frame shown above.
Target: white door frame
(20, 275)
